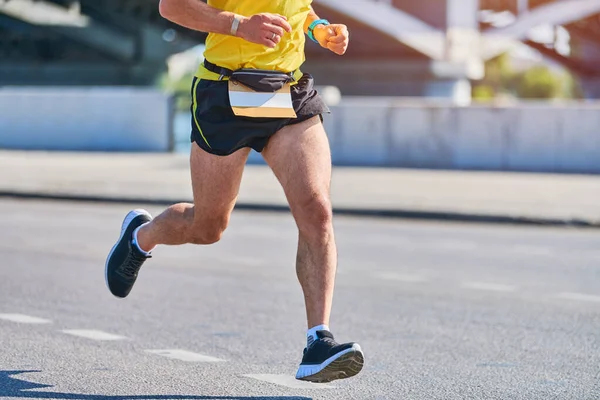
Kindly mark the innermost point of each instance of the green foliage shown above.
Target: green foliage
(572, 87)
(483, 92)
(537, 82)
(181, 88)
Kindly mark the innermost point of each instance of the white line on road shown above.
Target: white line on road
(579, 297)
(494, 287)
(289, 381)
(408, 278)
(183, 355)
(24, 319)
(93, 334)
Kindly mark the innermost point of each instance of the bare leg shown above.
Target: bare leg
(300, 158)
(215, 183)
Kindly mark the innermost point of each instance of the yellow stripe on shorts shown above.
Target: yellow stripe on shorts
(195, 107)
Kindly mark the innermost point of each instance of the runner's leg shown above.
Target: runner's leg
(299, 156)
(215, 183)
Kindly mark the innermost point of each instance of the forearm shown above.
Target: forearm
(312, 16)
(197, 15)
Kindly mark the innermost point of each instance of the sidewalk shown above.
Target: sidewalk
(445, 195)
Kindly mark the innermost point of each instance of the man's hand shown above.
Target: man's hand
(334, 37)
(266, 29)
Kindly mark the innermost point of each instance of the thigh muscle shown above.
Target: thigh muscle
(299, 156)
(215, 182)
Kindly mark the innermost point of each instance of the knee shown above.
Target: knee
(208, 231)
(314, 215)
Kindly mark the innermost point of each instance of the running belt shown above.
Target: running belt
(222, 71)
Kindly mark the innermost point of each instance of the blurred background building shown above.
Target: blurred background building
(399, 47)
(452, 52)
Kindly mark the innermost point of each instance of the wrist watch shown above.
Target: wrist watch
(312, 26)
(235, 25)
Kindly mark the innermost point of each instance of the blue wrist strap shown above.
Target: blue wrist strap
(312, 26)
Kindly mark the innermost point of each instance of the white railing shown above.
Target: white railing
(384, 17)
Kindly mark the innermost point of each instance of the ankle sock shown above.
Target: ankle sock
(311, 334)
(136, 244)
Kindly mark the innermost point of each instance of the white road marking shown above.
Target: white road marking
(183, 355)
(494, 287)
(409, 278)
(93, 334)
(24, 319)
(532, 250)
(289, 381)
(579, 297)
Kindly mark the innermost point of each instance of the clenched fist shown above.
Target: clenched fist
(266, 29)
(334, 37)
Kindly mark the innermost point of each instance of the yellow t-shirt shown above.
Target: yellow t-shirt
(234, 52)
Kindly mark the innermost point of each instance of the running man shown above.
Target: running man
(259, 43)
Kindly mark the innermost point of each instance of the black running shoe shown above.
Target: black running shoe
(125, 259)
(325, 360)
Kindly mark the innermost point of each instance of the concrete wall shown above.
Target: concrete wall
(414, 133)
(525, 137)
(98, 119)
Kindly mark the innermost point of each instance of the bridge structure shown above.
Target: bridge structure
(398, 47)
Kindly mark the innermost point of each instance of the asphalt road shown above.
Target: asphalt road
(443, 311)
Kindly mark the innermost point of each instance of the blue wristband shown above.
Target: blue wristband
(312, 27)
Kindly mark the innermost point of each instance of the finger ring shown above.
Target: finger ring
(273, 37)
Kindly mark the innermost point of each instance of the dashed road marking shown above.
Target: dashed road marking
(289, 381)
(93, 334)
(494, 287)
(408, 278)
(579, 297)
(24, 319)
(184, 355)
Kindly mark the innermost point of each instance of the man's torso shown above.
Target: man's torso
(234, 52)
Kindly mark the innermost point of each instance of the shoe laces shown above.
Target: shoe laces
(133, 263)
(326, 337)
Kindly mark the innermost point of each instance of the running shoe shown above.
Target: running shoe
(325, 360)
(125, 259)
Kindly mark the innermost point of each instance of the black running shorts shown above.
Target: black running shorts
(218, 131)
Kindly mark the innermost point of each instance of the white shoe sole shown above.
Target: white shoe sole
(343, 365)
(128, 218)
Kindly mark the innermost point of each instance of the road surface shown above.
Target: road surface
(442, 311)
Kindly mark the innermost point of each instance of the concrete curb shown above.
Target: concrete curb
(360, 212)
